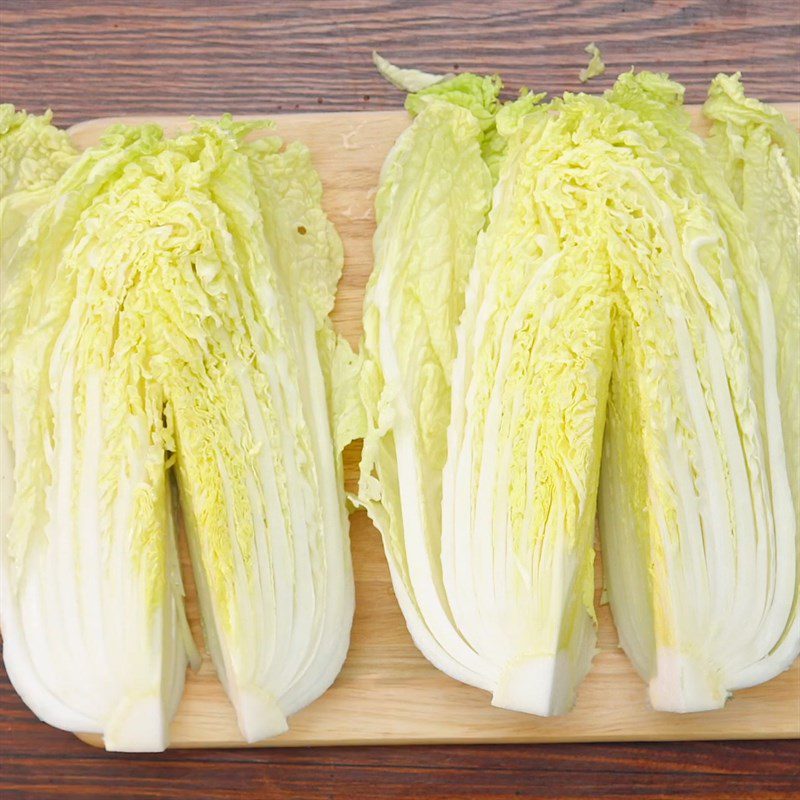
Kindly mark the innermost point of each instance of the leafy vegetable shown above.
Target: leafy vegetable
(619, 304)
(759, 152)
(527, 412)
(409, 80)
(595, 67)
(33, 155)
(166, 328)
(722, 569)
(432, 202)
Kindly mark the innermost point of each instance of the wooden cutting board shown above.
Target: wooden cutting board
(387, 693)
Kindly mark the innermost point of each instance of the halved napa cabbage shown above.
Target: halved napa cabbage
(698, 525)
(527, 412)
(165, 332)
(619, 308)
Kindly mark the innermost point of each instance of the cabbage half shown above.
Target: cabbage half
(165, 333)
(527, 412)
(487, 609)
(698, 526)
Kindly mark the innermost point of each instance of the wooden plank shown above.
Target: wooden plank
(41, 763)
(387, 692)
(116, 56)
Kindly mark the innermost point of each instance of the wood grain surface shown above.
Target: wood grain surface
(88, 59)
(40, 763)
(387, 693)
(99, 58)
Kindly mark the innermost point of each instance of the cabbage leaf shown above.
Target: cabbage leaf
(432, 202)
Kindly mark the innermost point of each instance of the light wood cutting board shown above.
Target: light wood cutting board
(387, 692)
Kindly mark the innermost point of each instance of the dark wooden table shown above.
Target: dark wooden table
(88, 59)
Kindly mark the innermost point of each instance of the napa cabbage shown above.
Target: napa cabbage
(434, 194)
(706, 601)
(165, 336)
(624, 340)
